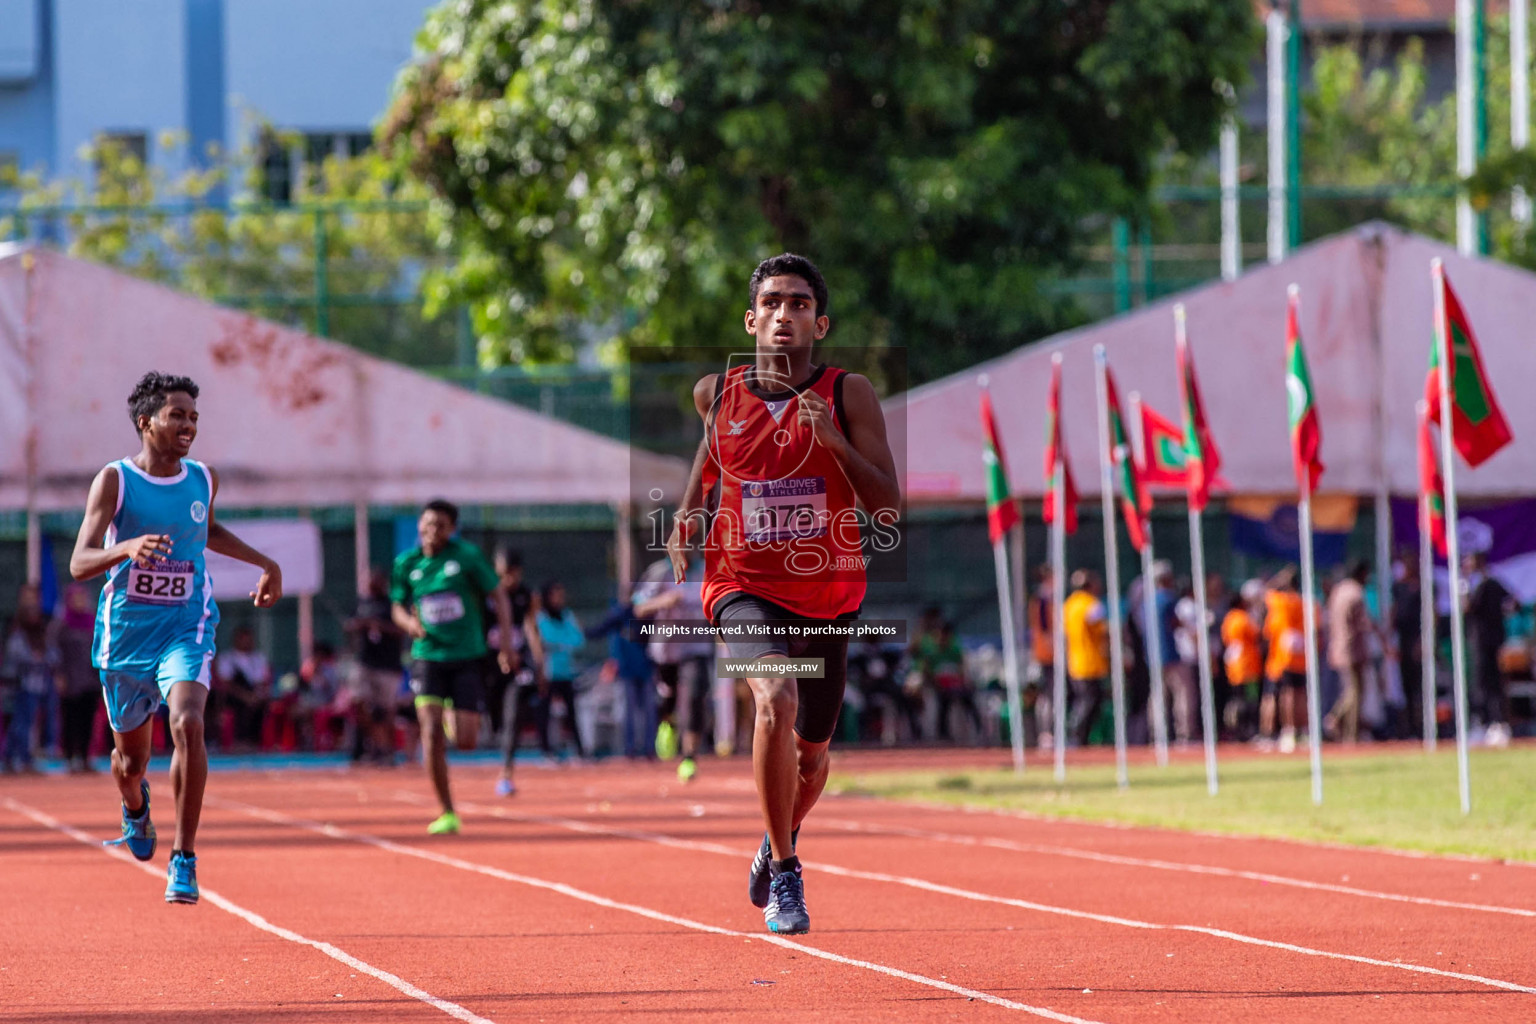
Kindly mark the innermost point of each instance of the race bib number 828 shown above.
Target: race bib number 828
(163, 582)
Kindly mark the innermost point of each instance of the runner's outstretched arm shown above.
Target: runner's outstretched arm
(269, 589)
(693, 496)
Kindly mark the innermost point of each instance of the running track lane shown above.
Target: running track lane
(513, 951)
(108, 953)
(1054, 957)
(1409, 987)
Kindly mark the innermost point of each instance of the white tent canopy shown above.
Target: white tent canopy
(1366, 326)
(287, 419)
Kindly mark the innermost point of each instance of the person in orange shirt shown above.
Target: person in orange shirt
(1242, 658)
(1285, 671)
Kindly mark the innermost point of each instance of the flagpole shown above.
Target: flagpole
(1427, 692)
(1058, 603)
(1453, 544)
(1010, 649)
(1010, 656)
(1202, 630)
(1308, 607)
(1152, 635)
(1111, 567)
(1309, 623)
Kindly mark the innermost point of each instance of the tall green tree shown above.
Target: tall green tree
(622, 166)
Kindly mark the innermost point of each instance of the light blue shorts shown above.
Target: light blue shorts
(132, 697)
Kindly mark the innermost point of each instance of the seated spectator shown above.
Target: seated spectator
(243, 678)
(31, 666)
(321, 709)
(376, 678)
(947, 660)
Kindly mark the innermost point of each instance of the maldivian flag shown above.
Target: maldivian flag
(1478, 427)
(1202, 459)
(1162, 452)
(1056, 459)
(1430, 488)
(1133, 497)
(1306, 432)
(1002, 510)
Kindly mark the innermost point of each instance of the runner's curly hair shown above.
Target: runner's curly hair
(148, 396)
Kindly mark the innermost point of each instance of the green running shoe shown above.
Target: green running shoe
(447, 824)
(666, 741)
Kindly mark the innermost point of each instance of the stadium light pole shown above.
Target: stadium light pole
(1293, 127)
(1467, 68)
(1520, 97)
(1231, 232)
(1275, 32)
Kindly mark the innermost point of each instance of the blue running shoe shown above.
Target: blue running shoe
(760, 877)
(785, 913)
(138, 833)
(181, 879)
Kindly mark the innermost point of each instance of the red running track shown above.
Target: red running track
(614, 893)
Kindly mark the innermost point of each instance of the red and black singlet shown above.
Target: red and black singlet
(786, 526)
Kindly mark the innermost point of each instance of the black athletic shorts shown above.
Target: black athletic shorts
(461, 683)
(820, 699)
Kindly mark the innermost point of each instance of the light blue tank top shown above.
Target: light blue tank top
(145, 610)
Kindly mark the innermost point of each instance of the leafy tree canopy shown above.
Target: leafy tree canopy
(620, 167)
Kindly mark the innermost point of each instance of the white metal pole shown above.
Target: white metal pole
(1202, 627)
(1520, 96)
(1010, 655)
(1157, 709)
(1203, 638)
(361, 546)
(1309, 625)
(1466, 126)
(1020, 586)
(1111, 566)
(1453, 544)
(1275, 33)
(1058, 633)
(1231, 235)
(1427, 618)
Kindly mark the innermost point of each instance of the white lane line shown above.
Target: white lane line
(1167, 865)
(256, 920)
(335, 832)
(968, 894)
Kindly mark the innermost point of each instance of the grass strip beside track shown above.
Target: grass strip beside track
(1401, 800)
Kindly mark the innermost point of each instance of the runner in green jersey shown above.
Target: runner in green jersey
(438, 591)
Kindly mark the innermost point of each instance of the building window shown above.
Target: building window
(287, 158)
(122, 145)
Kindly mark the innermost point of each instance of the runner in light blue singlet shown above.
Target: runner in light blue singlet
(155, 624)
(148, 521)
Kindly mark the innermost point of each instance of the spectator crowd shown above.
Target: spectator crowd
(577, 690)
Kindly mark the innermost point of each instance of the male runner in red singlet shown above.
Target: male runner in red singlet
(790, 450)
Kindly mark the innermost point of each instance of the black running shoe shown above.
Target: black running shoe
(759, 878)
(785, 913)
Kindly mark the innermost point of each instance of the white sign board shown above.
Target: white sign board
(294, 544)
